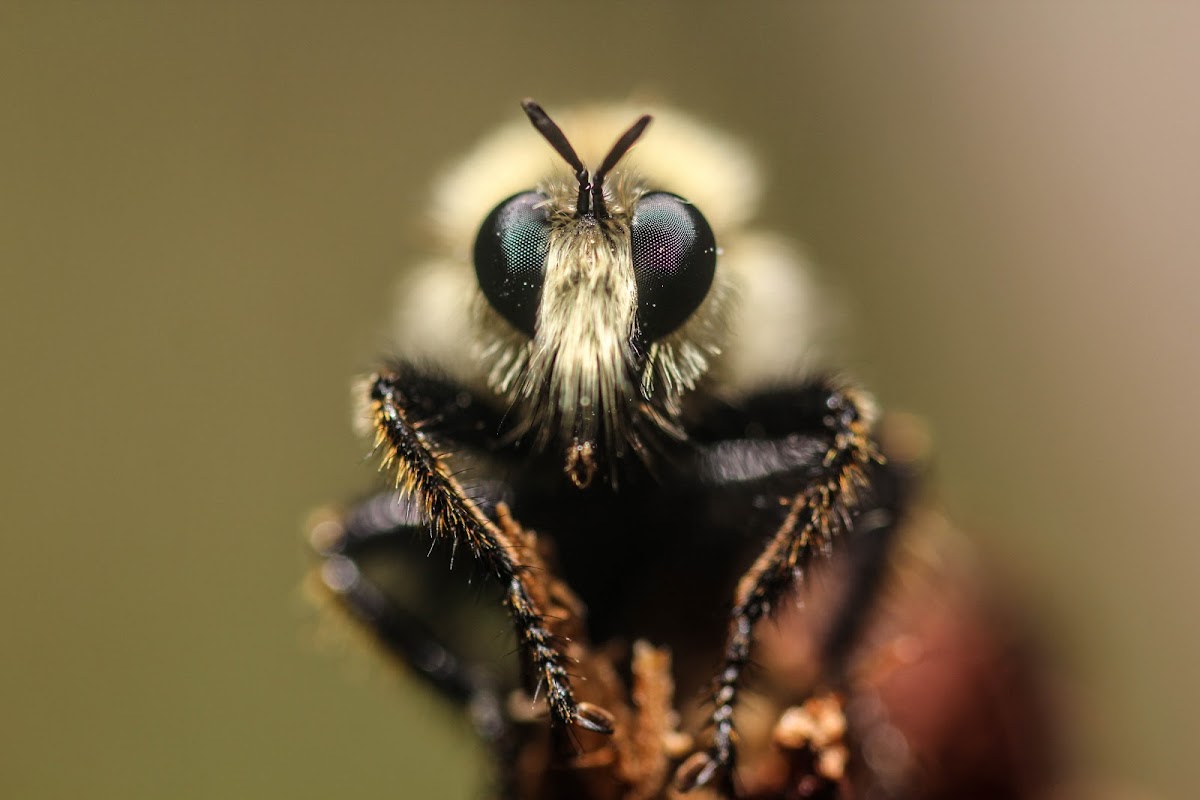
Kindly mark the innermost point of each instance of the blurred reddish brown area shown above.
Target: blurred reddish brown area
(944, 696)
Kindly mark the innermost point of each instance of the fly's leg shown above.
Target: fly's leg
(389, 523)
(830, 460)
(408, 435)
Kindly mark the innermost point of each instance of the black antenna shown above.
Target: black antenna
(619, 149)
(558, 140)
(591, 191)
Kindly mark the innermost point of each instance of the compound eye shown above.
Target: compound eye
(510, 257)
(674, 259)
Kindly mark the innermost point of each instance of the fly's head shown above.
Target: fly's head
(602, 304)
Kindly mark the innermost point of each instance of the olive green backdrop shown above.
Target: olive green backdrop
(202, 209)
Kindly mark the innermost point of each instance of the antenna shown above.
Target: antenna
(558, 140)
(591, 190)
(618, 151)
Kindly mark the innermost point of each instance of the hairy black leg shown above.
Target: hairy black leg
(390, 522)
(829, 459)
(412, 448)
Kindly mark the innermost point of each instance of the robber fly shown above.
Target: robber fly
(605, 359)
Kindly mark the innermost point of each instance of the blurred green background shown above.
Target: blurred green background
(203, 209)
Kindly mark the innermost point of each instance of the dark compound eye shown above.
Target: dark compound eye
(674, 258)
(510, 257)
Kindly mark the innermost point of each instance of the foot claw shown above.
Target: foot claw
(698, 770)
(593, 718)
